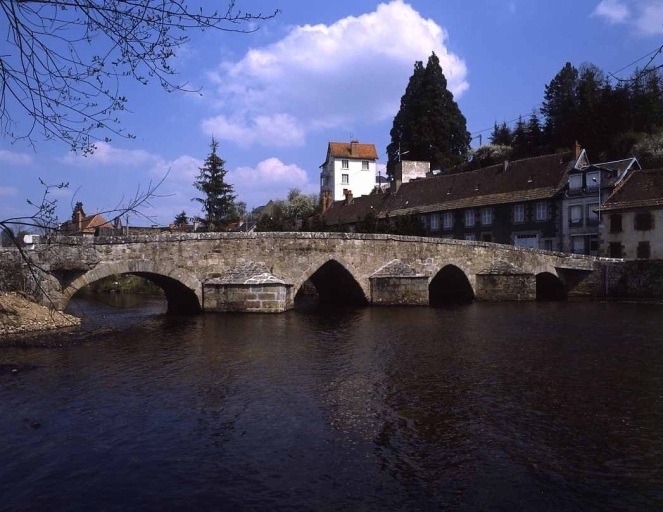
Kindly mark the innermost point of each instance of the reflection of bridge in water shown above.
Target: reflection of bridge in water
(264, 272)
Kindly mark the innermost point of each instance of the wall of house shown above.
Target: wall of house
(360, 181)
(629, 237)
(503, 229)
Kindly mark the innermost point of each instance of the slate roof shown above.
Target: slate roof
(529, 179)
(640, 189)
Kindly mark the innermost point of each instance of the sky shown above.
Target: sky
(321, 72)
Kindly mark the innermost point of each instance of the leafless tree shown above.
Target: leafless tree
(62, 61)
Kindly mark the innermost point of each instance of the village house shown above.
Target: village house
(348, 168)
(589, 185)
(523, 203)
(633, 217)
(87, 225)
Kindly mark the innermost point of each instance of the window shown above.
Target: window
(518, 213)
(470, 219)
(643, 221)
(487, 216)
(345, 179)
(616, 223)
(592, 216)
(470, 236)
(345, 164)
(541, 210)
(643, 250)
(423, 221)
(593, 181)
(364, 165)
(575, 215)
(615, 250)
(434, 222)
(448, 220)
(578, 244)
(575, 183)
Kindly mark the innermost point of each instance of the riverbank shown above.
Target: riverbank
(18, 315)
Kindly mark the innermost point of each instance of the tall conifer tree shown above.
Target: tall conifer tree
(218, 201)
(429, 125)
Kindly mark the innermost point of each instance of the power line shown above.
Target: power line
(652, 54)
(520, 116)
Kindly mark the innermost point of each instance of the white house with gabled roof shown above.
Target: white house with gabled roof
(349, 169)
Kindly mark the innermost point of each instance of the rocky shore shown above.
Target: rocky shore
(18, 314)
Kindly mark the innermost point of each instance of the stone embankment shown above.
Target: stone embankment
(20, 315)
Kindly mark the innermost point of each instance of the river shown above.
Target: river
(505, 406)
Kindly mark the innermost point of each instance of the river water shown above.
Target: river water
(533, 406)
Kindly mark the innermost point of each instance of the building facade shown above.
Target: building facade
(348, 167)
(589, 185)
(633, 217)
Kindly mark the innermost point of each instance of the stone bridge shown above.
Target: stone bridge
(267, 272)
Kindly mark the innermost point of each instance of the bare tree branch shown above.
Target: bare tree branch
(62, 61)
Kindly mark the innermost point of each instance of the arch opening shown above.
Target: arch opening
(549, 287)
(450, 286)
(180, 299)
(332, 285)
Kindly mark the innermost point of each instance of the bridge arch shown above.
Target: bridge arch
(335, 281)
(183, 290)
(550, 287)
(450, 284)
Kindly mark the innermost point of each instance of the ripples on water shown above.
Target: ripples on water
(553, 406)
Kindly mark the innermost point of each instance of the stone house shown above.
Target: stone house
(87, 225)
(348, 167)
(589, 185)
(517, 203)
(633, 217)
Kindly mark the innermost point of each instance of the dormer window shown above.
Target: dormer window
(575, 182)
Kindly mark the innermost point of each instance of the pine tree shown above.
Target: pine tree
(429, 125)
(501, 135)
(559, 108)
(218, 199)
(405, 120)
(519, 143)
(181, 218)
(535, 140)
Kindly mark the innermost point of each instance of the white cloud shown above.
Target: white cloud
(8, 192)
(614, 11)
(105, 154)
(18, 159)
(646, 16)
(346, 74)
(270, 179)
(650, 20)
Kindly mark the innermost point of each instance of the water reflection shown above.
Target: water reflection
(485, 406)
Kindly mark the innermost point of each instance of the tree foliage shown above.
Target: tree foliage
(295, 213)
(218, 200)
(181, 219)
(429, 125)
(62, 63)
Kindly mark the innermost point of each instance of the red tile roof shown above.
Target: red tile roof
(352, 150)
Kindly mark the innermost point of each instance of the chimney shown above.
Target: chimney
(397, 179)
(577, 150)
(348, 195)
(78, 220)
(354, 147)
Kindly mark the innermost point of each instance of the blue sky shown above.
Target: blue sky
(320, 72)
